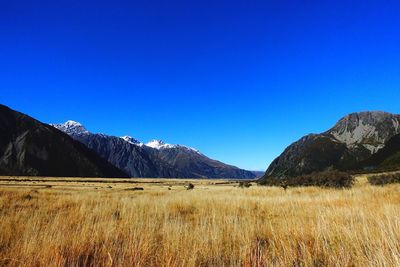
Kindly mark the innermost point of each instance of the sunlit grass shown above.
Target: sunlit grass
(85, 224)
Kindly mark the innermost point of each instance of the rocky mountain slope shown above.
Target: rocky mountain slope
(29, 147)
(154, 159)
(366, 130)
(387, 158)
(352, 140)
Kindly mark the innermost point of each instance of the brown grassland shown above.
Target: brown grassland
(95, 222)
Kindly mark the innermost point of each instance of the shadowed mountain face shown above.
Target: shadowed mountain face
(354, 139)
(387, 158)
(29, 147)
(154, 159)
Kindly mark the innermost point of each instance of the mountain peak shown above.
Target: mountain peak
(71, 127)
(73, 123)
(131, 140)
(369, 116)
(158, 144)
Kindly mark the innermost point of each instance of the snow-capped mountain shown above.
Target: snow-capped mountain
(351, 141)
(72, 127)
(159, 144)
(132, 140)
(153, 159)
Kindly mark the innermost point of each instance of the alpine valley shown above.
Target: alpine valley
(359, 142)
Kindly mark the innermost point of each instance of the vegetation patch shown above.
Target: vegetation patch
(331, 179)
(189, 186)
(27, 197)
(244, 184)
(135, 189)
(383, 179)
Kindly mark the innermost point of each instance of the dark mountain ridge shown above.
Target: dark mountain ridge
(29, 147)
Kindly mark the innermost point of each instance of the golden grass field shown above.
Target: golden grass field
(97, 222)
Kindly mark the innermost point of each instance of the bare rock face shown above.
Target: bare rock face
(368, 129)
(352, 140)
(29, 147)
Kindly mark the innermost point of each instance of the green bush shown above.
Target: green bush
(244, 184)
(331, 179)
(384, 179)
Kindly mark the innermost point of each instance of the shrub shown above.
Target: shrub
(189, 186)
(116, 215)
(384, 179)
(331, 179)
(244, 184)
(135, 189)
(27, 197)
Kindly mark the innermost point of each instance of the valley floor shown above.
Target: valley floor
(97, 222)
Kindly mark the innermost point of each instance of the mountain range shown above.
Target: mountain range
(359, 141)
(153, 159)
(364, 141)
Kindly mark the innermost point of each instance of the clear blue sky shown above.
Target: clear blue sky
(239, 80)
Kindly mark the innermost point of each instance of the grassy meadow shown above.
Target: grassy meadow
(100, 222)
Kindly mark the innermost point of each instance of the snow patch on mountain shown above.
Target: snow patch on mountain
(159, 144)
(71, 128)
(132, 140)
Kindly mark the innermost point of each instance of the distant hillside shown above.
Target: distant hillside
(352, 141)
(29, 147)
